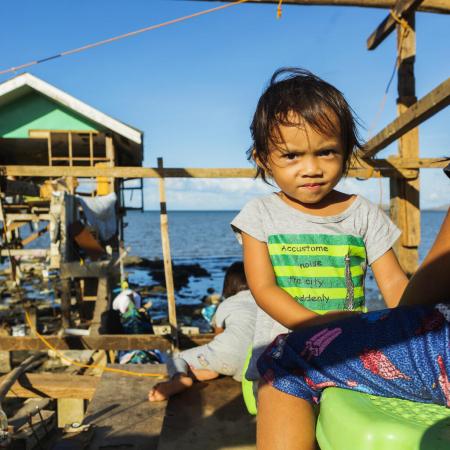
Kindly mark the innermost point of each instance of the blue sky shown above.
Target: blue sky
(192, 87)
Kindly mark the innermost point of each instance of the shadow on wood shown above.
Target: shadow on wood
(210, 416)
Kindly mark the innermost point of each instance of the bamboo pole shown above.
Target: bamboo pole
(167, 259)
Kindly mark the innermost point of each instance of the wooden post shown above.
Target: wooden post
(167, 258)
(70, 410)
(99, 323)
(66, 297)
(5, 356)
(405, 195)
(67, 255)
(110, 154)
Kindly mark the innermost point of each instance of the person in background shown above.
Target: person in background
(234, 324)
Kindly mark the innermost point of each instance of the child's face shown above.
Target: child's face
(308, 164)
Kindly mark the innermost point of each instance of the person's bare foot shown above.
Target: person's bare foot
(163, 391)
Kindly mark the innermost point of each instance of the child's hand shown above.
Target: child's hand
(319, 342)
(328, 317)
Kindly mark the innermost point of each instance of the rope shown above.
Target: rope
(401, 21)
(371, 172)
(406, 29)
(279, 10)
(87, 366)
(122, 36)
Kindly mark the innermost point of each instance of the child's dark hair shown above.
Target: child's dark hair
(234, 280)
(294, 93)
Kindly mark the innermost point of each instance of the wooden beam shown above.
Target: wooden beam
(148, 172)
(53, 385)
(402, 8)
(436, 6)
(13, 217)
(102, 342)
(31, 252)
(90, 269)
(34, 236)
(420, 111)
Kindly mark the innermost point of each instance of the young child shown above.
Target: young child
(402, 352)
(307, 246)
(234, 324)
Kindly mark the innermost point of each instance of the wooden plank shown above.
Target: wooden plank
(357, 169)
(31, 252)
(102, 342)
(170, 288)
(53, 385)
(436, 6)
(208, 416)
(410, 118)
(12, 217)
(397, 163)
(120, 412)
(401, 10)
(34, 236)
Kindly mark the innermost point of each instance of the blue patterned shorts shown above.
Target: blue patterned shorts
(401, 352)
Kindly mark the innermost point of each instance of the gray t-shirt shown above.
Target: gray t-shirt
(237, 315)
(227, 352)
(320, 261)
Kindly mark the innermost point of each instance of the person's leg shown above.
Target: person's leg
(398, 352)
(284, 422)
(431, 282)
(195, 364)
(163, 391)
(204, 374)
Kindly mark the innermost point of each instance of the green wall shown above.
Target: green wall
(38, 112)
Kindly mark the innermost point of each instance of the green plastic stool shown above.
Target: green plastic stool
(350, 420)
(247, 387)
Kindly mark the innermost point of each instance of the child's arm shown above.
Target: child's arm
(261, 279)
(390, 278)
(431, 283)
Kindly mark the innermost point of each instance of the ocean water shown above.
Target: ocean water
(205, 237)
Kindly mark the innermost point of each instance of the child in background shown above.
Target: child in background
(234, 324)
(307, 246)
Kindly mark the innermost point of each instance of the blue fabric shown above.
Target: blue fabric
(401, 352)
